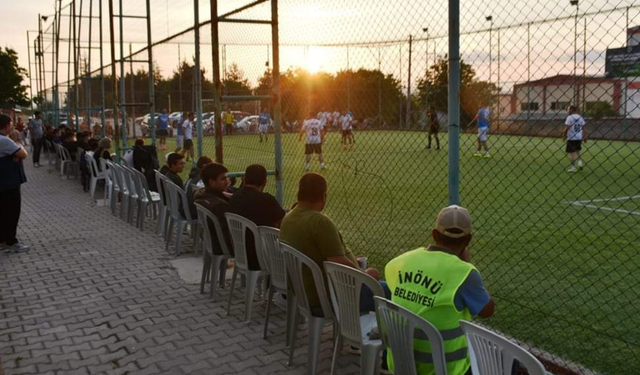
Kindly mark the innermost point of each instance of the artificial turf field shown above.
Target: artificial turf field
(558, 251)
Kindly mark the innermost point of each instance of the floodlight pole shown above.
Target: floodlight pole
(114, 80)
(408, 120)
(426, 79)
(152, 96)
(30, 76)
(103, 118)
(454, 102)
(575, 53)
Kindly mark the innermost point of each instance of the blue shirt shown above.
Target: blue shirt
(264, 119)
(483, 117)
(179, 128)
(163, 121)
(472, 294)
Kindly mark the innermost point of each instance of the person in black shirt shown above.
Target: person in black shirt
(434, 127)
(83, 142)
(71, 144)
(173, 168)
(252, 203)
(212, 197)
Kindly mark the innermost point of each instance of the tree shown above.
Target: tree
(235, 84)
(435, 89)
(12, 91)
(598, 110)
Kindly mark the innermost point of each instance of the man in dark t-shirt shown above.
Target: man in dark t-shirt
(252, 203)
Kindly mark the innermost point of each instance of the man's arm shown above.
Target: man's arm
(564, 132)
(474, 296)
(584, 135)
(488, 309)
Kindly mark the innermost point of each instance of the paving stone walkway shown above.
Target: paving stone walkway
(96, 295)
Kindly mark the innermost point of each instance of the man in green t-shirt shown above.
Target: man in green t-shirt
(311, 232)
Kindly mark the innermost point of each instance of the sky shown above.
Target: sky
(315, 34)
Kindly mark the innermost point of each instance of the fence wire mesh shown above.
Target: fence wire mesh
(558, 250)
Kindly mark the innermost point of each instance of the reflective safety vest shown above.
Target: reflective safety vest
(425, 282)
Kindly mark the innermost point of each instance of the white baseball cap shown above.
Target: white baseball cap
(456, 218)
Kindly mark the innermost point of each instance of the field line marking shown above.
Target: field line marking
(620, 210)
(609, 199)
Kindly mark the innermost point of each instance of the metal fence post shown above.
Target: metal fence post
(454, 102)
(217, 99)
(198, 83)
(275, 75)
(152, 99)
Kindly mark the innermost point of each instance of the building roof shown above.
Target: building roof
(566, 79)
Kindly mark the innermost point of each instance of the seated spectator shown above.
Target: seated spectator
(145, 160)
(93, 147)
(212, 197)
(252, 203)
(195, 182)
(104, 145)
(314, 234)
(83, 142)
(449, 288)
(128, 155)
(173, 168)
(71, 144)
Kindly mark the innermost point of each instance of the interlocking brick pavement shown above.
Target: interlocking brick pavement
(96, 295)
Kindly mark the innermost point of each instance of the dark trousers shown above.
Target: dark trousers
(9, 215)
(37, 148)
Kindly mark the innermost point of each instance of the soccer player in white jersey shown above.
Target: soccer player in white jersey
(575, 134)
(346, 122)
(314, 132)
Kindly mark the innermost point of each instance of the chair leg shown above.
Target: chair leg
(252, 281)
(206, 268)
(215, 269)
(294, 331)
(223, 273)
(179, 232)
(161, 221)
(291, 306)
(169, 232)
(233, 283)
(315, 336)
(266, 313)
(370, 360)
(337, 346)
(142, 210)
(92, 189)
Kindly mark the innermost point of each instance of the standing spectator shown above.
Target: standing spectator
(97, 130)
(434, 127)
(163, 132)
(213, 198)
(173, 168)
(179, 133)
(145, 160)
(314, 234)
(22, 129)
(482, 118)
(448, 290)
(36, 128)
(104, 145)
(187, 130)
(254, 204)
(11, 177)
(228, 122)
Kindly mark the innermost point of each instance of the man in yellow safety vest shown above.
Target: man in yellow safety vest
(440, 284)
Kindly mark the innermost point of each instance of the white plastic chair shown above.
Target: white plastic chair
(96, 175)
(108, 182)
(398, 328)
(494, 354)
(345, 284)
(146, 198)
(272, 255)
(178, 198)
(112, 175)
(124, 190)
(296, 263)
(238, 227)
(48, 145)
(66, 163)
(215, 264)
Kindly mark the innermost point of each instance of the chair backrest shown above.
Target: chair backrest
(494, 354)
(160, 186)
(345, 284)
(272, 255)
(93, 166)
(131, 180)
(238, 227)
(398, 328)
(296, 263)
(66, 156)
(176, 198)
(120, 177)
(113, 173)
(205, 216)
(141, 184)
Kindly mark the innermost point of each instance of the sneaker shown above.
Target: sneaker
(477, 155)
(322, 166)
(36, 165)
(580, 165)
(17, 248)
(306, 168)
(487, 156)
(572, 170)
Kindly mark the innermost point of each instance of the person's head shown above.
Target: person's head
(214, 176)
(139, 142)
(105, 143)
(19, 120)
(164, 111)
(6, 124)
(312, 191)
(191, 116)
(37, 115)
(256, 176)
(453, 229)
(311, 114)
(572, 109)
(69, 136)
(93, 144)
(203, 161)
(175, 162)
(85, 136)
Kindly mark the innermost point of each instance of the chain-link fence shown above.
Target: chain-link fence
(556, 247)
